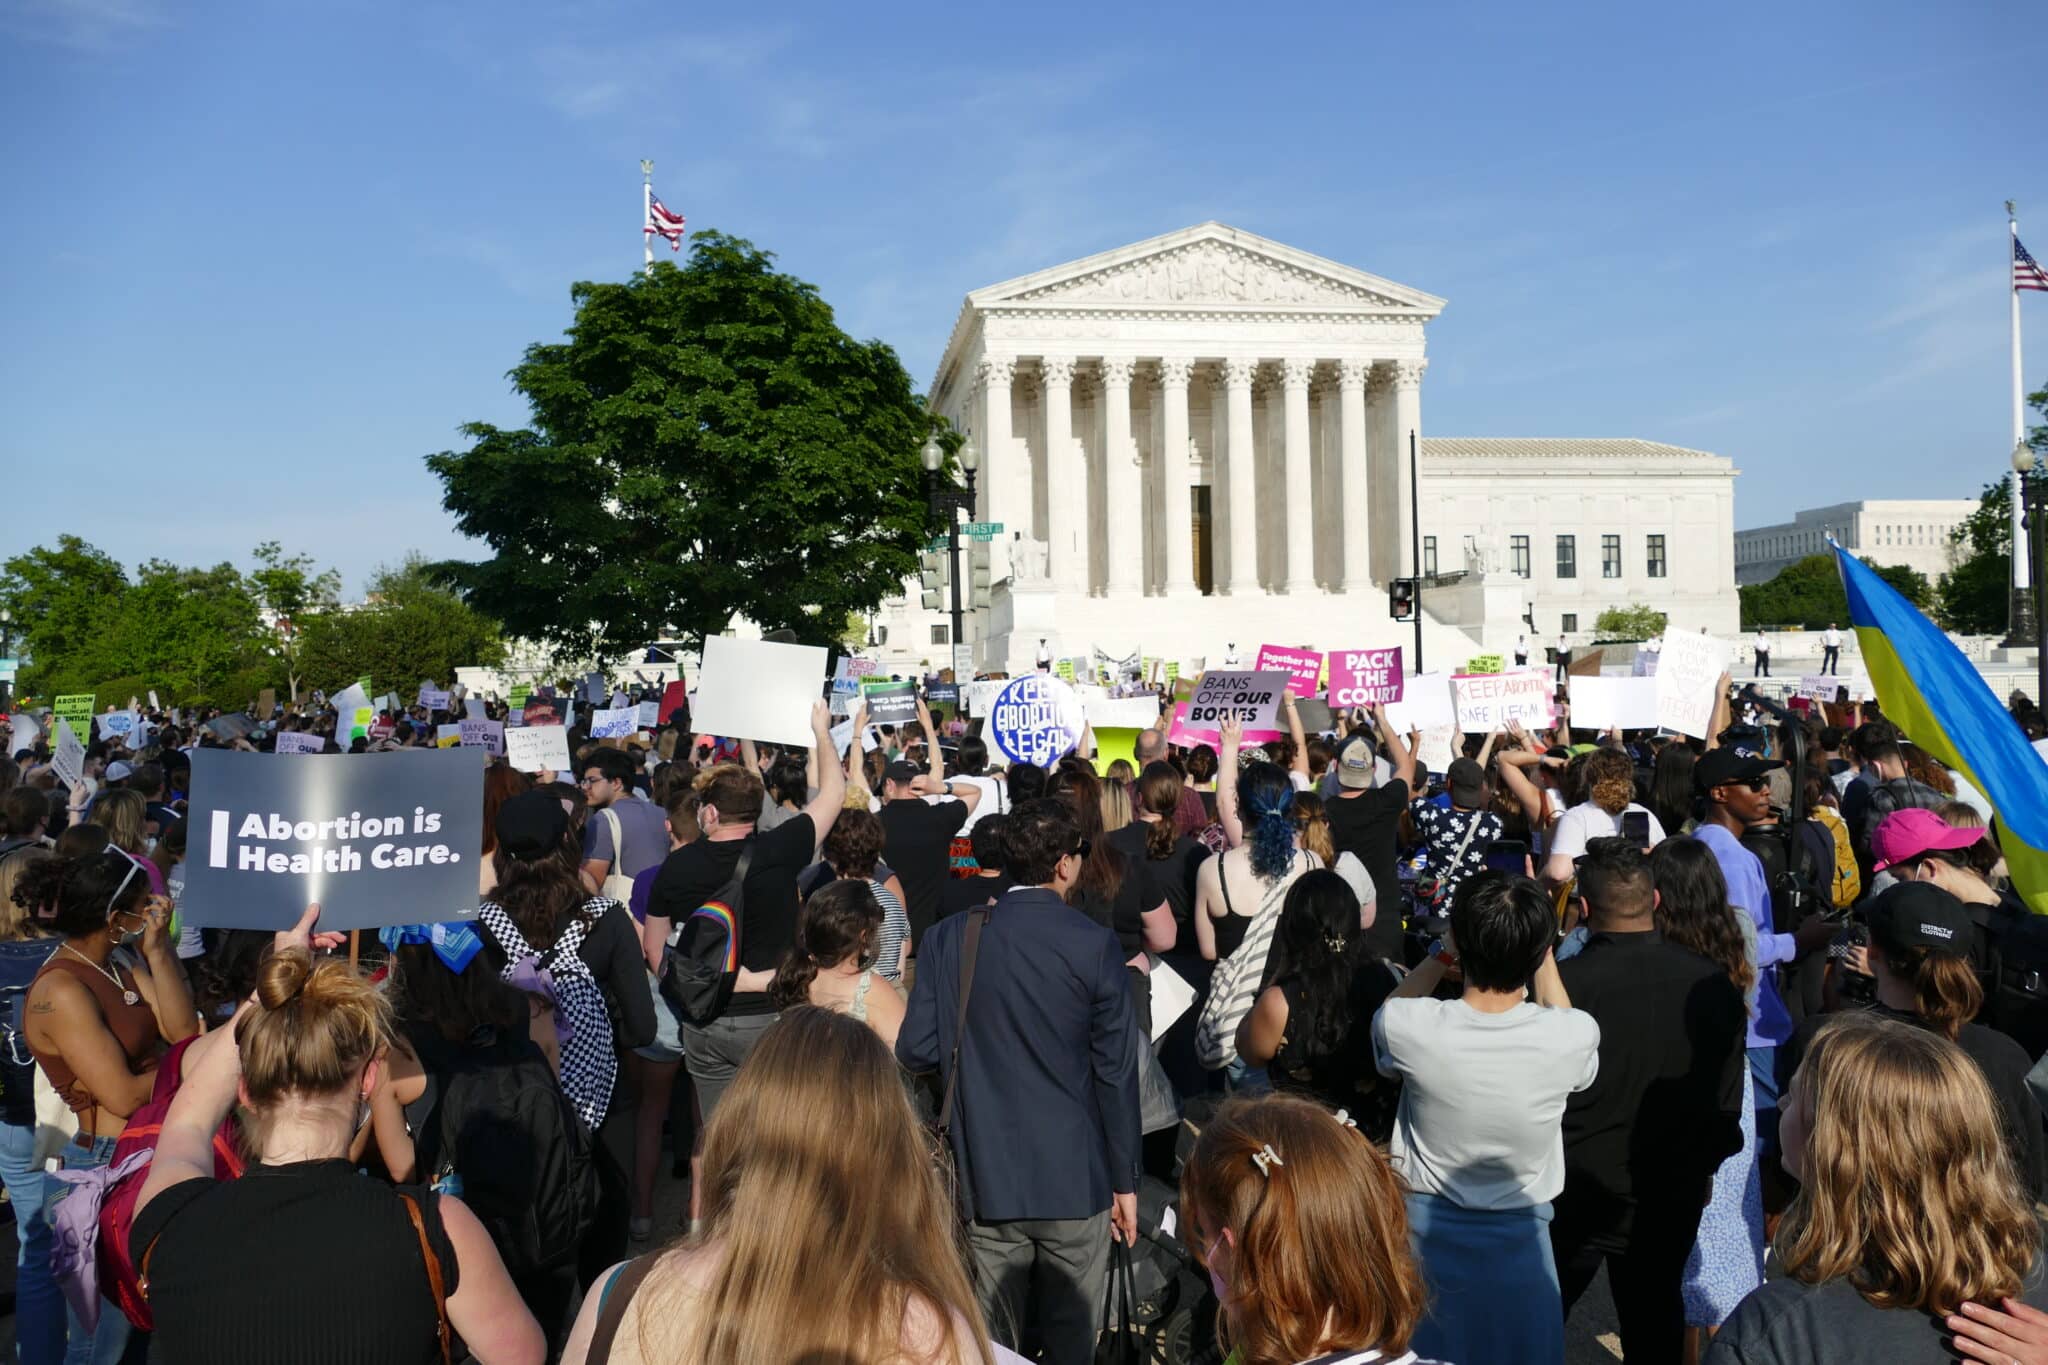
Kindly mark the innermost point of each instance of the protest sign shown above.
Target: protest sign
(118, 724)
(592, 689)
(977, 697)
(231, 727)
(674, 698)
(266, 703)
(1252, 699)
(1173, 670)
(1600, 703)
(541, 711)
(383, 729)
(1488, 701)
(538, 748)
(76, 708)
(858, 668)
(1689, 670)
(488, 735)
(618, 699)
(758, 689)
(352, 714)
(386, 703)
(1034, 719)
(473, 709)
(1425, 703)
(434, 698)
(890, 703)
(1645, 665)
(1315, 715)
(67, 753)
(448, 736)
(647, 714)
(943, 694)
(1586, 664)
(299, 742)
(1065, 670)
(152, 700)
(389, 839)
(1437, 748)
(1365, 677)
(1116, 742)
(1483, 663)
(1302, 667)
(24, 735)
(613, 722)
(1120, 713)
(516, 698)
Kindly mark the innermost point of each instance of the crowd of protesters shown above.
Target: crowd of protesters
(1346, 1051)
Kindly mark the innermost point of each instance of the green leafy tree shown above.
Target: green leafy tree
(1976, 593)
(290, 590)
(1808, 593)
(1630, 623)
(410, 629)
(706, 444)
(59, 597)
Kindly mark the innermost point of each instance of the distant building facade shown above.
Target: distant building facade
(1912, 532)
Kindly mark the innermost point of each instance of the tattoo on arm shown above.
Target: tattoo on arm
(43, 1007)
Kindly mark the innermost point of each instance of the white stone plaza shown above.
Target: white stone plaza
(1202, 440)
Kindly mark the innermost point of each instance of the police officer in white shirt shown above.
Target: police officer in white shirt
(1830, 651)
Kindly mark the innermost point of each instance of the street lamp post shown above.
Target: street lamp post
(6, 633)
(2034, 502)
(948, 499)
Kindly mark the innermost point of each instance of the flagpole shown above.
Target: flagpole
(646, 216)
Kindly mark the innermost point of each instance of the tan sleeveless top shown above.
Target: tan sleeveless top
(133, 1026)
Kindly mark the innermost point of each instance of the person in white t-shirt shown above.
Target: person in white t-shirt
(1610, 809)
(1478, 1136)
(1830, 651)
(1762, 647)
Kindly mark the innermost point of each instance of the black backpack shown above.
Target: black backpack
(702, 959)
(523, 1159)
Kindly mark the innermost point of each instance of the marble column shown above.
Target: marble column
(1174, 372)
(1066, 478)
(1006, 489)
(1407, 418)
(1123, 524)
(1219, 473)
(1243, 490)
(1301, 527)
(1353, 514)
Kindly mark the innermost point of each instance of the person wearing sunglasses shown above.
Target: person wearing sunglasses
(99, 1024)
(1733, 792)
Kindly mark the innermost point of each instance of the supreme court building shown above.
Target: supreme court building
(1202, 440)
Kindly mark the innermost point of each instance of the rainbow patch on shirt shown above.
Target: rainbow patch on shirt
(721, 913)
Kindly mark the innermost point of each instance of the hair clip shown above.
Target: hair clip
(1265, 1159)
(1344, 1117)
(1334, 942)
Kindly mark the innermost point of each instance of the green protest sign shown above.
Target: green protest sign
(517, 697)
(1483, 663)
(77, 709)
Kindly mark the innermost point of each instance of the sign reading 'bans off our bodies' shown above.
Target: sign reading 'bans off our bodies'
(376, 839)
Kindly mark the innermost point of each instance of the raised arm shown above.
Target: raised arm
(1230, 735)
(1300, 764)
(824, 808)
(1401, 752)
(1719, 721)
(854, 775)
(935, 756)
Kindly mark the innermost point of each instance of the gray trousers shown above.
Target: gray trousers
(1041, 1281)
(714, 1052)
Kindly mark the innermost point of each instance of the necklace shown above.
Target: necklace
(128, 997)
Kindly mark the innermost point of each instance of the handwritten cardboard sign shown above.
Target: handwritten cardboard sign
(538, 748)
(1488, 701)
(1365, 677)
(1689, 669)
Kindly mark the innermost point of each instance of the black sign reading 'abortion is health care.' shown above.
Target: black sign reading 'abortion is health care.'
(376, 839)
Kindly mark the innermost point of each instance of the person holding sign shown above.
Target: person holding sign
(98, 1025)
(229, 1264)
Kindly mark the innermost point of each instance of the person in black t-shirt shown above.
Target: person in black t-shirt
(1641, 1144)
(729, 806)
(988, 883)
(917, 839)
(1365, 822)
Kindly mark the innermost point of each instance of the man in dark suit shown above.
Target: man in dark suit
(1045, 1105)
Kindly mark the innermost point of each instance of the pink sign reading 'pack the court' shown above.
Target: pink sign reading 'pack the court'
(1303, 667)
(1365, 677)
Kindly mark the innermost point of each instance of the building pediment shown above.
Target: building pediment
(1210, 266)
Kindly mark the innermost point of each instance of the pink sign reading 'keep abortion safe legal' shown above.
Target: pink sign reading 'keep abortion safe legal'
(1365, 677)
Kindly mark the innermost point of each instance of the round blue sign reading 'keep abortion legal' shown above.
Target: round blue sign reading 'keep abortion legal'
(1036, 719)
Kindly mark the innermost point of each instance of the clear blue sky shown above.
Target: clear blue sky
(258, 259)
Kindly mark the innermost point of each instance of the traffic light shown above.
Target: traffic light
(1401, 599)
(978, 574)
(931, 578)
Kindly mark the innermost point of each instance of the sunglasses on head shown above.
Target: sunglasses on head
(1080, 850)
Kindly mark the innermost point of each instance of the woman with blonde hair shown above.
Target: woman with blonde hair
(1610, 782)
(817, 1120)
(1907, 1208)
(227, 1264)
(1301, 1223)
(122, 814)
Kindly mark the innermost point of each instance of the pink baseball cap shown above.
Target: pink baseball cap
(1906, 834)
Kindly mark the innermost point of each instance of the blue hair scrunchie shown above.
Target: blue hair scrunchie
(455, 943)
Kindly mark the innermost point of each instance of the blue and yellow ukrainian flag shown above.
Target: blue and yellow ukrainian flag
(1938, 700)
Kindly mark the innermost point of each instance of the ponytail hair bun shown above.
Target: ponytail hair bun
(316, 1025)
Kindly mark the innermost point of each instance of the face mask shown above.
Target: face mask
(127, 938)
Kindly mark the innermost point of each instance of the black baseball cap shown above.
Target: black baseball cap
(902, 773)
(1467, 781)
(1921, 915)
(1718, 766)
(532, 824)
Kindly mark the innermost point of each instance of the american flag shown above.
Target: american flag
(2026, 271)
(660, 220)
